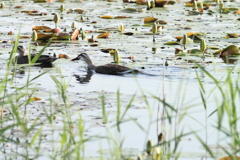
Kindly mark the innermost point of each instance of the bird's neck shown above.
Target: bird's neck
(90, 64)
(21, 53)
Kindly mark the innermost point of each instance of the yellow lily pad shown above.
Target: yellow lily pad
(106, 17)
(150, 20)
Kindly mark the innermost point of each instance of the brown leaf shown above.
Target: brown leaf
(43, 36)
(161, 22)
(41, 28)
(229, 158)
(80, 11)
(103, 35)
(160, 3)
(63, 56)
(150, 19)
(22, 37)
(25, 11)
(18, 7)
(237, 12)
(141, 2)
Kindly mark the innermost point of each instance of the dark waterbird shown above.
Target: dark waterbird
(111, 69)
(43, 60)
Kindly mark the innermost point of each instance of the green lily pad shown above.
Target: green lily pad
(171, 43)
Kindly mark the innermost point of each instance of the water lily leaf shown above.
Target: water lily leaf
(26, 11)
(229, 158)
(35, 99)
(225, 11)
(217, 52)
(39, 0)
(196, 52)
(43, 36)
(63, 56)
(150, 20)
(161, 3)
(230, 50)
(119, 17)
(128, 33)
(141, 2)
(18, 7)
(62, 36)
(23, 37)
(41, 28)
(80, 11)
(177, 50)
(103, 35)
(233, 9)
(232, 35)
(131, 10)
(171, 43)
(106, 17)
(237, 12)
(161, 22)
(214, 48)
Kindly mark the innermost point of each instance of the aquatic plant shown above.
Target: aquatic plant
(56, 19)
(154, 30)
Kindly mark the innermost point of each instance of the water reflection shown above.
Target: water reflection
(84, 78)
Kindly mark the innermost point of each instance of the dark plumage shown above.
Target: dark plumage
(112, 69)
(43, 60)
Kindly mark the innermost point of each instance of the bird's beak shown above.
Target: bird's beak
(75, 59)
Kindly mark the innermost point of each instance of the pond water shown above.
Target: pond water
(177, 82)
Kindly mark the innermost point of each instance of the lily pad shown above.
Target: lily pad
(229, 51)
(172, 43)
(150, 20)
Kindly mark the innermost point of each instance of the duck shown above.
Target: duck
(110, 69)
(43, 61)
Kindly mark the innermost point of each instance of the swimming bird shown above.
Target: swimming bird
(43, 60)
(112, 69)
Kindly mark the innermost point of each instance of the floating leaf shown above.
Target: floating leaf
(141, 2)
(229, 158)
(41, 28)
(63, 56)
(161, 3)
(232, 35)
(161, 22)
(230, 50)
(131, 10)
(150, 19)
(237, 12)
(103, 35)
(119, 17)
(106, 17)
(35, 99)
(171, 43)
(62, 36)
(43, 36)
(80, 11)
(214, 48)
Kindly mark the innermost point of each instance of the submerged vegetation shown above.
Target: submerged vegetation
(45, 114)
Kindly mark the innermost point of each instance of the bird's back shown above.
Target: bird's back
(43, 60)
(113, 69)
